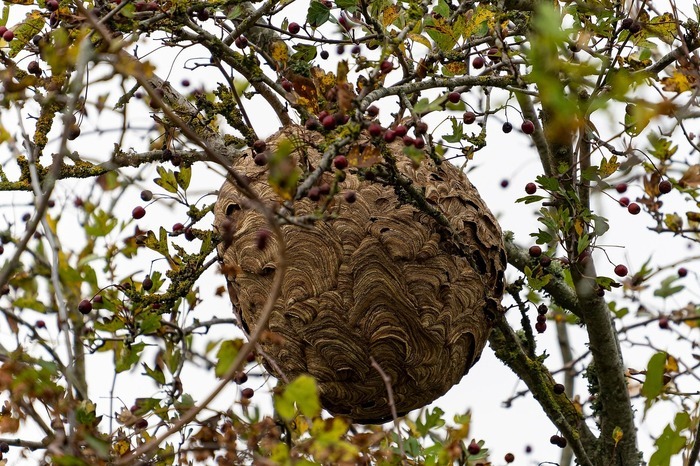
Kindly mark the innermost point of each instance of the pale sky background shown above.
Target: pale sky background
(489, 382)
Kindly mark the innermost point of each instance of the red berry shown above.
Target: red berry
(682, 272)
(314, 193)
(8, 35)
(541, 318)
(97, 299)
(626, 23)
(624, 201)
(178, 227)
(85, 306)
(375, 130)
(241, 42)
(421, 128)
(312, 124)
(52, 5)
(389, 135)
(240, 378)
(509, 458)
(621, 270)
(147, 283)
(324, 54)
(293, 28)
(634, 208)
(469, 117)
(261, 239)
(663, 322)
(507, 127)
(260, 159)
(350, 196)
(493, 54)
(247, 393)
(505, 183)
(189, 234)
(386, 67)
(138, 212)
(558, 388)
(340, 162)
(259, 146)
(541, 327)
(478, 62)
(473, 448)
(250, 357)
(665, 187)
(39, 324)
(141, 424)
(408, 140)
(621, 188)
(373, 111)
(401, 131)
(3, 30)
(454, 97)
(528, 127)
(328, 122)
(535, 251)
(418, 143)
(531, 188)
(324, 189)
(287, 85)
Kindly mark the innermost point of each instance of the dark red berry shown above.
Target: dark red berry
(541, 327)
(350, 196)
(287, 85)
(558, 388)
(478, 62)
(324, 189)
(259, 146)
(325, 54)
(634, 208)
(294, 28)
(85, 306)
(408, 140)
(147, 283)
(241, 42)
(528, 127)
(328, 122)
(373, 111)
(261, 239)
(535, 251)
(418, 143)
(493, 54)
(561, 442)
(203, 14)
(541, 318)
(247, 393)
(26, 217)
(34, 68)
(141, 424)
(375, 130)
(146, 195)
(626, 23)
(401, 131)
(554, 439)
(682, 272)
(505, 183)
(178, 227)
(260, 159)
(469, 117)
(473, 448)
(8, 35)
(621, 187)
(240, 378)
(621, 270)
(454, 97)
(624, 201)
(52, 5)
(509, 457)
(250, 357)
(138, 212)
(665, 187)
(340, 49)
(507, 127)
(390, 135)
(635, 27)
(663, 322)
(545, 260)
(312, 124)
(421, 128)
(531, 188)
(189, 234)
(340, 162)
(386, 66)
(97, 299)
(356, 49)
(73, 132)
(38, 324)
(314, 193)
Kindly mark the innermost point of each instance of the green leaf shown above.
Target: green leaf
(304, 52)
(670, 442)
(347, 5)
(149, 322)
(126, 356)
(530, 199)
(100, 224)
(457, 131)
(225, 356)
(155, 374)
(183, 177)
(167, 179)
(547, 183)
(424, 106)
(654, 383)
(317, 14)
(303, 392)
(667, 288)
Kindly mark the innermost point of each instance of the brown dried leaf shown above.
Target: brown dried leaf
(368, 156)
(691, 177)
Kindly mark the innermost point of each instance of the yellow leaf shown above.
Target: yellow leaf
(617, 434)
(455, 68)
(608, 167)
(678, 82)
(390, 14)
(671, 364)
(691, 177)
(279, 52)
(578, 226)
(365, 158)
(420, 39)
(121, 447)
(479, 22)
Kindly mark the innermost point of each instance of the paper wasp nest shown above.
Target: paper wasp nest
(378, 278)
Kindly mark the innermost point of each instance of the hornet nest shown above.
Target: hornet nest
(416, 289)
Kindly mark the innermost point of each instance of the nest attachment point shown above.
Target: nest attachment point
(376, 278)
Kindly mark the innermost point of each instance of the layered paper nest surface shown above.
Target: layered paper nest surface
(378, 278)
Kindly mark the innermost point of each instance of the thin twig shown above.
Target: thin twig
(392, 405)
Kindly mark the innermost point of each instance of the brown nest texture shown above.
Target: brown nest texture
(376, 278)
